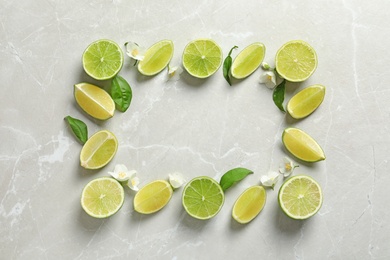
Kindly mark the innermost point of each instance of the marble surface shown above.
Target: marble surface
(196, 127)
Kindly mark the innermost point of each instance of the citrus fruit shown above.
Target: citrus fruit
(306, 101)
(202, 58)
(152, 197)
(248, 60)
(102, 59)
(94, 101)
(203, 197)
(99, 149)
(249, 204)
(102, 197)
(302, 145)
(296, 61)
(300, 197)
(157, 57)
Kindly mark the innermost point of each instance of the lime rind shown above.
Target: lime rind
(248, 60)
(157, 57)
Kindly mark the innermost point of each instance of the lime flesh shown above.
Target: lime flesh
(248, 60)
(306, 101)
(157, 57)
(153, 197)
(249, 204)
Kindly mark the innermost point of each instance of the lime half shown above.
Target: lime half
(153, 197)
(248, 60)
(157, 57)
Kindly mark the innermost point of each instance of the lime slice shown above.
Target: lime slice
(203, 197)
(296, 61)
(102, 59)
(98, 150)
(157, 57)
(249, 204)
(248, 60)
(102, 197)
(306, 101)
(302, 146)
(94, 101)
(152, 197)
(300, 197)
(202, 58)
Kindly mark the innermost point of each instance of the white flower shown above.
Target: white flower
(265, 66)
(133, 182)
(270, 180)
(134, 51)
(121, 173)
(176, 180)
(174, 72)
(287, 167)
(269, 79)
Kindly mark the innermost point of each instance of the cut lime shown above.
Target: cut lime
(94, 101)
(203, 197)
(102, 59)
(98, 150)
(296, 61)
(202, 58)
(306, 101)
(248, 60)
(102, 197)
(300, 197)
(249, 204)
(302, 146)
(152, 197)
(157, 57)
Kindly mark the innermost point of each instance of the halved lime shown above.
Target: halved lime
(202, 58)
(102, 197)
(296, 61)
(306, 101)
(99, 150)
(249, 204)
(203, 197)
(102, 59)
(157, 57)
(248, 60)
(94, 101)
(302, 145)
(300, 197)
(153, 197)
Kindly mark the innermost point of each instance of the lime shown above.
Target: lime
(157, 57)
(302, 146)
(296, 61)
(102, 59)
(306, 101)
(152, 197)
(99, 149)
(203, 197)
(102, 197)
(249, 204)
(202, 58)
(300, 197)
(248, 60)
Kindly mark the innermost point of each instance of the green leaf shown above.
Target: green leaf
(121, 93)
(227, 64)
(233, 176)
(79, 128)
(278, 95)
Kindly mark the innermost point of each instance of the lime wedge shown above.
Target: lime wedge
(302, 146)
(296, 61)
(202, 58)
(152, 197)
(157, 57)
(99, 149)
(94, 101)
(102, 59)
(306, 101)
(300, 197)
(102, 197)
(249, 204)
(203, 197)
(248, 60)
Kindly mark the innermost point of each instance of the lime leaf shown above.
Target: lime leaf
(233, 176)
(79, 128)
(227, 65)
(121, 93)
(278, 95)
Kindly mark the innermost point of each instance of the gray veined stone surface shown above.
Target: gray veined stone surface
(196, 127)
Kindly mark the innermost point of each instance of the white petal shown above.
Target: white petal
(176, 180)
(133, 183)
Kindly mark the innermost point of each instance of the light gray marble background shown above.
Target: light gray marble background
(196, 127)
